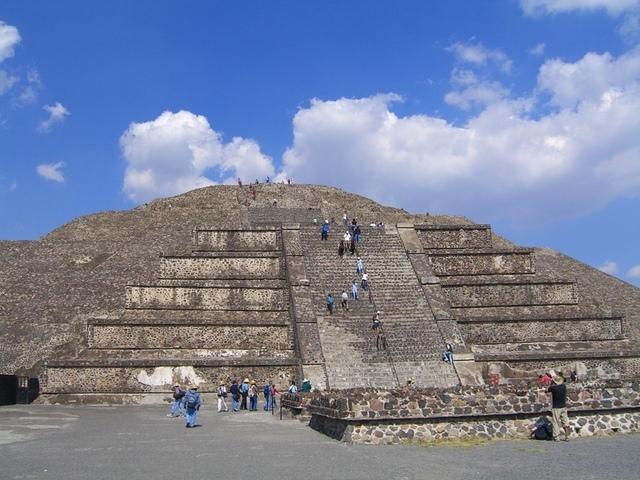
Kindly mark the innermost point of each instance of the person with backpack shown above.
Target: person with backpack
(344, 301)
(293, 390)
(266, 391)
(330, 302)
(234, 390)
(253, 397)
(364, 281)
(222, 395)
(306, 386)
(359, 266)
(447, 355)
(192, 404)
(177, 408)
(354, 290)
(244, 393)
(559, 416)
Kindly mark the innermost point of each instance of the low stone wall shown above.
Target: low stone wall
(371, 416)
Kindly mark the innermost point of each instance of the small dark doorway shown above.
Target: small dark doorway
(8, 389)
(28, 390)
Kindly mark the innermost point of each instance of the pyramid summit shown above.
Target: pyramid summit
(223, 283)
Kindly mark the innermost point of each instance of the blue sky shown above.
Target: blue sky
(524, 114)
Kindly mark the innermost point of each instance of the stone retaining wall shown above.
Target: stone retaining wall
(236, 240)
(486, 295)
(190, 336)
(482, 263)
(455, 236)
(220, 267)
(370, 416)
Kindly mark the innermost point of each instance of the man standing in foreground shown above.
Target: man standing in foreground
(559, 414)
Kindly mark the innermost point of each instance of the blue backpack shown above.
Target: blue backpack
(191, 401)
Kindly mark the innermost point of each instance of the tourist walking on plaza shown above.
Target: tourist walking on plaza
(354, 290)
(359, 266)
(324, 232)
(559, 415)
(253, 397)
(330, 301)
(364, 281)
(244, 392)
(235, 396)
(266, 391)
(177, 406)
(273, 391)
(192, 404)
(344, 299)
(222, 395)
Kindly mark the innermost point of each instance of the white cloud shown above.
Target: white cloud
(609, 267)
(30, 90)
(589, 78)
(51, 171)
(504, 162)
(177, 152)
(634, 272)
(480, 94)
(541, 7)
(57, 114)
(538, 50)
(478, 55)
(6, 81)
(9, 38)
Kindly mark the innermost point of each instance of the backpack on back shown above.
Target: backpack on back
(191, 401)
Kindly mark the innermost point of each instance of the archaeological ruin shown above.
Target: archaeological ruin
(115, 307)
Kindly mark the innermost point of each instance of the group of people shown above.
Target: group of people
(244, 396)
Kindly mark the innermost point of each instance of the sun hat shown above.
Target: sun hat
(558, 379)
(305, 380)
(246, 380)
(221, 382)
(253, 382)
(194, 387)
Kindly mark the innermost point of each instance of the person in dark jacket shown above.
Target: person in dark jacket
(306, 386)
(234, 390)
(192, 402)
(177, 407)
(324, 232)
(559, 415)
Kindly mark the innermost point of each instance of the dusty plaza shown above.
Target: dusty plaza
(79, 442)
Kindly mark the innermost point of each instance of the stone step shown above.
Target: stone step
(254, 239)
(279, 283)
(205, 298)
(454, 236)
(279, 215)
(160, 355)
(483, 261)
(221, 267)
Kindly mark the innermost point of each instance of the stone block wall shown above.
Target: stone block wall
(206, 298)
(220, 267)
(133, 380)
(482, 262)
(455, 236)
(530, 330)
(503, 294)
(370, 416)
(190, 336)
(236, 240)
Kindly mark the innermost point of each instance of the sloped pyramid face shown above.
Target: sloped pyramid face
(216, 284)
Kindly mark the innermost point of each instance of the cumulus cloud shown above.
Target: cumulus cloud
(477, 54)
(538, 50)
(51, 171)
(9, 38)
(57, 114)
(541, 7)
(609, 267)
(507, 161)
(479, 94)
(634, 272)
(177, 152)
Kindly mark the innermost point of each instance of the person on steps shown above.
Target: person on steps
(324, 232)
(356, 234)
(344, 301)
(364, 281)
(330, 302)
(447, 355)
(354, 290)
(341, 248)
(359, 266)
(559, 416)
